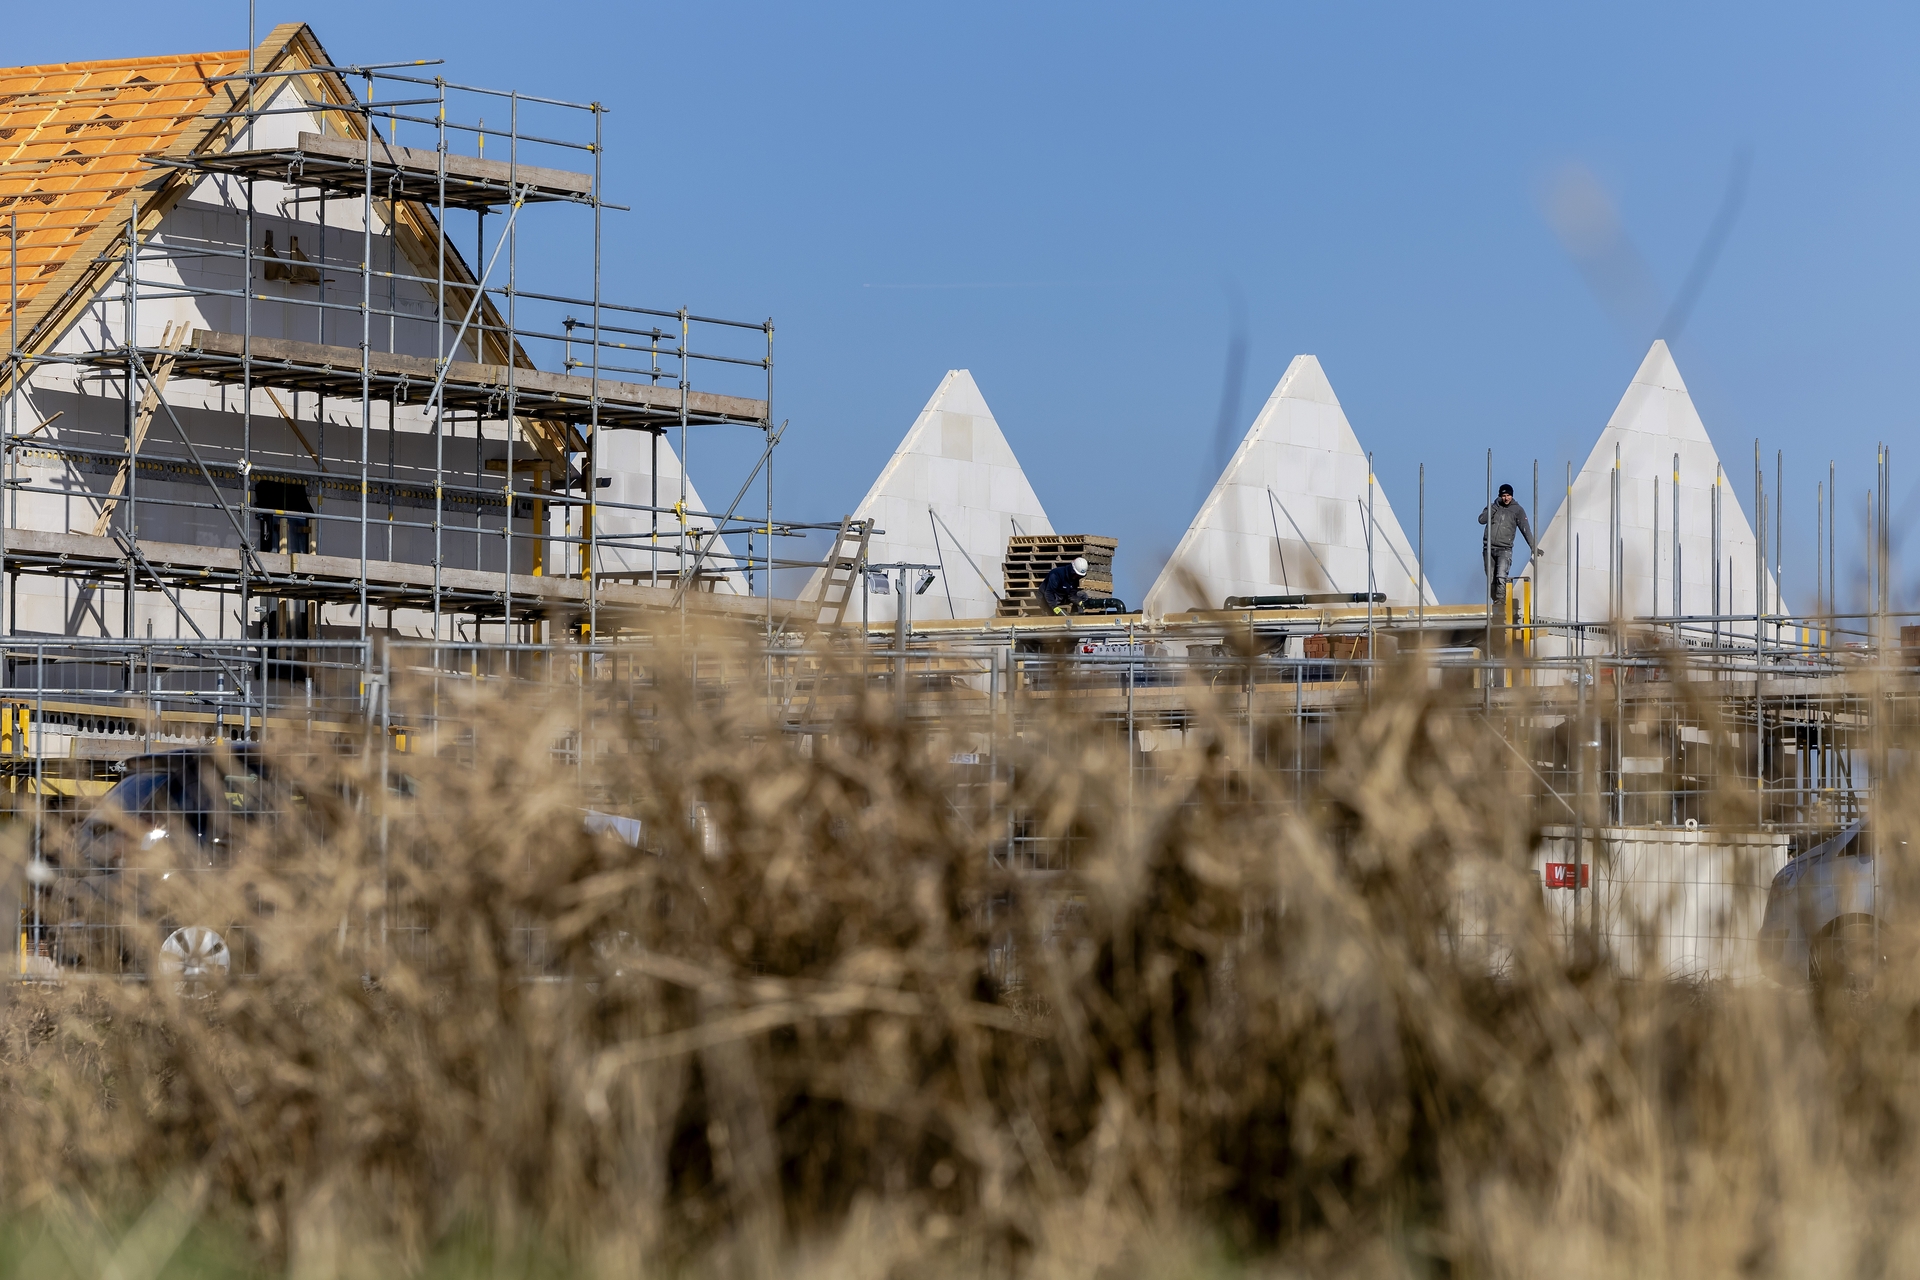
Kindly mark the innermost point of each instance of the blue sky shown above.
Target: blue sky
(1065, 200)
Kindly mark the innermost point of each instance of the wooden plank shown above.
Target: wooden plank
(298, 434)
(183, 562)
(421, 370)
(426, 164)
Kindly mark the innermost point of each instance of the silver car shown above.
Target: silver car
(1823, 917)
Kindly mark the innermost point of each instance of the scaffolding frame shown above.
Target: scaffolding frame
(1608, 747)
(620, 367)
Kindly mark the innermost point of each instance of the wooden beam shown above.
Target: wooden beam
(298, 434)
(170, 339)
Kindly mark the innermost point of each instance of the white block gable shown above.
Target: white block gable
(1289, 513)
(649, 543)
(1654, 422)
(951, 495)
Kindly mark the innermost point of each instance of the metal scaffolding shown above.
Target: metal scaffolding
(519, 389)
(1649, 777)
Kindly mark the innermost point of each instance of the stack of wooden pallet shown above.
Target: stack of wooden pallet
(1031, 557)
(1347, 648)
(1344, 647)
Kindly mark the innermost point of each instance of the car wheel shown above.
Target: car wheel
(1843, 955)
(195, 954)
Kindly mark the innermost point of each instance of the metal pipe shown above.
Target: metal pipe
(592, 566)
(770, 515)
(246, 355)
(680, 561)
(1371, 588)
(1679, 567)
(10, 608)
(438, 406)
(513, 402)
(1615, 587)
(1718, 477)
(366, 355)
(1882, 540)
(1759, 639)
(130, 314)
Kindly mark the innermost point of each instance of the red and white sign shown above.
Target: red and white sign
(1560, 875)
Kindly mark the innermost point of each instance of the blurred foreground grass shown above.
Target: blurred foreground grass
(807, 1029)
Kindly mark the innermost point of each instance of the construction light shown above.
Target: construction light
(926, 580)
(877, 582)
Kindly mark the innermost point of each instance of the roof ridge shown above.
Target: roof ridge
(115, 64)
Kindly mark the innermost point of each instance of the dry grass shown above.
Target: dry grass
(772, 1042)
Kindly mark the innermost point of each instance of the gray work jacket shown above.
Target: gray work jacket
(1505, 520)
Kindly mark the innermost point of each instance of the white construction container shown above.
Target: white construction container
(1665, 902)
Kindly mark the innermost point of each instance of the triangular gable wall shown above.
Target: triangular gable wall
(1654, 422)
(951, 495)
(199, 115)
(1288, 515)
(632, 542)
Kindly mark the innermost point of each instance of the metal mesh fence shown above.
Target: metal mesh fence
(1665, 800)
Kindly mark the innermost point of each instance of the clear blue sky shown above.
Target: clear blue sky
(1076, 192)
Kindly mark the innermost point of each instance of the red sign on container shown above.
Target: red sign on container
(1560, 875)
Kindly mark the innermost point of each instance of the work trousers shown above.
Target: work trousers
(1500, 564)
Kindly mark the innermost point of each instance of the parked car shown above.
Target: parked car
(173, 814)
(1824, 913)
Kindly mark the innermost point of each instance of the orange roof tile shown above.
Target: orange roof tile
(74, 141)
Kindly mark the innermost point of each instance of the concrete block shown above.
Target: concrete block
(1297, 484)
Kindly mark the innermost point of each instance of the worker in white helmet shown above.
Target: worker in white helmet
(1063, 588)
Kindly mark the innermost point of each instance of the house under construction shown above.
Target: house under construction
(284, 413)
(275, 369)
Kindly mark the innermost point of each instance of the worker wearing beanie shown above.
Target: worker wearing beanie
(1062, 590)
(1502, 519)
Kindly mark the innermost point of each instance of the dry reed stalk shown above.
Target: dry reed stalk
(1242, 1034)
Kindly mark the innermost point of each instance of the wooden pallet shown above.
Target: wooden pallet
(1031, 557)
(1344, 647)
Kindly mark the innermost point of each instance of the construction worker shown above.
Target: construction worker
(1061, 590)
(1496, 544)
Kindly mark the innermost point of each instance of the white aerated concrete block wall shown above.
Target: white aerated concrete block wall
(1655, 422)
(951, 496)
(1289, 515)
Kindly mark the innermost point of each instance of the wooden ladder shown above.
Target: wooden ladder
(842, 579)
(844, 564)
